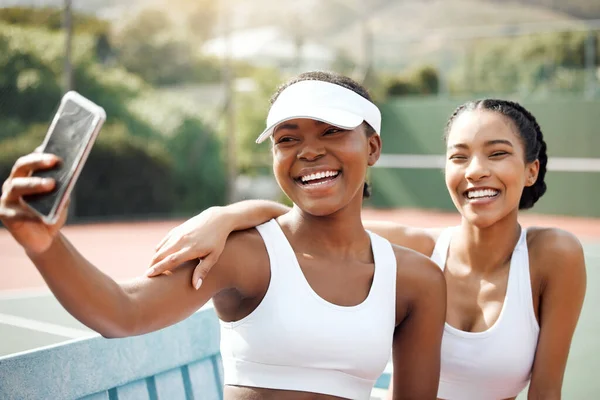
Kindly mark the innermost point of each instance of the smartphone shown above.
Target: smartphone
(71, 135)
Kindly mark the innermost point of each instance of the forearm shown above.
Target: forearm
(86, 292)
(250, 213)
(544, 394)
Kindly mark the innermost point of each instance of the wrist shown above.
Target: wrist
(227, 216)
(38, 253)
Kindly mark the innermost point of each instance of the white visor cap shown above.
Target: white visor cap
(321, 101)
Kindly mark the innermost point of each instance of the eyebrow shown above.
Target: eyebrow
(488, 143)
(286, 126)
(292, 126)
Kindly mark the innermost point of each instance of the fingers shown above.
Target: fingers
(31, 162)
(15, 188)
(168, 248)
(164, 240)
(13, 213)
(170, 262)
(201, 270)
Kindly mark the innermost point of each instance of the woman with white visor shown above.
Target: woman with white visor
(310, 303)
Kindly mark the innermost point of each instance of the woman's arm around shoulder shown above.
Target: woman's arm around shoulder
(421, 313)
(417, 239)
(560, 259)
(168, 298)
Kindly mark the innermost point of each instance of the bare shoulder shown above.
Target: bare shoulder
(245, 256)
(245, 246)
(554, 250)
(416, 271)
(420, 285)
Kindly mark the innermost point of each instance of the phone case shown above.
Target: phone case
(72, 174)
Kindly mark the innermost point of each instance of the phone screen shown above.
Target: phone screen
(70, 136)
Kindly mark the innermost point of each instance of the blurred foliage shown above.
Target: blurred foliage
(584, 9)
(123, 175)
(252, 107)
(31, 64)
(151, 47)
(534, 64)
(199, 169)
(423, 80)
(52, 19)
(137, 166)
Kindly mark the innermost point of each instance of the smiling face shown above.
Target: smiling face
(320, 167)
(486, 170)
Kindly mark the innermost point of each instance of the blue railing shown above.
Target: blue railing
(178, 362)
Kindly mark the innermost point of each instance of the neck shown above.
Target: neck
(341, 233)
(486, 249)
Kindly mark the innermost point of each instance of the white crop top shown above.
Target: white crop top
(296, 340)
(496, 363)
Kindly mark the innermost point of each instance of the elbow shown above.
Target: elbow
(116, 331)
(121, 324)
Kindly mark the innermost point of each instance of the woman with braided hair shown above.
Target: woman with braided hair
(514, 295)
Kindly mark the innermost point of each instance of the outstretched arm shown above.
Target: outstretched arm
(88, 294)
(417, 239)
(131, 308)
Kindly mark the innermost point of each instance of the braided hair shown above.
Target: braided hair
(531, 135)
(337, 79)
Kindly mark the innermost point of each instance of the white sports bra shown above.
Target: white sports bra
(296, 340)
(496, 363)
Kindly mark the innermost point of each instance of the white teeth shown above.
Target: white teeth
(476, 194)
(318, 175)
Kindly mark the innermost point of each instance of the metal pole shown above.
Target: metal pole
(68, 27)
(228, 77)
(68, 81)
(366, 41)
(590, 65)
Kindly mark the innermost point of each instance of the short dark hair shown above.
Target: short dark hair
(337, 79)
(531, 136)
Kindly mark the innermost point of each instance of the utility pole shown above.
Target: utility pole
(68, 27)
(68, 78)
(366, 41)
(228, 77)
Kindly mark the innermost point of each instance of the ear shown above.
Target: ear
(374, 149)
(531, 170)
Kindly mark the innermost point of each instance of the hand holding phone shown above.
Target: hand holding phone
(36, 194)
(70, 137)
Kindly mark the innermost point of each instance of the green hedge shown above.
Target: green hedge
(124, 175)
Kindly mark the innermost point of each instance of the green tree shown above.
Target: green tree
(199, 170)
(251, 112)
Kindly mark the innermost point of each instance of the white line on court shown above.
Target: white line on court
(45, 327)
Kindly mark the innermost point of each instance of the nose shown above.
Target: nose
(311, 150)
(477, 169)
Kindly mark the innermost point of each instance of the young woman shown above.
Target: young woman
(514, 294)
(310, 303)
